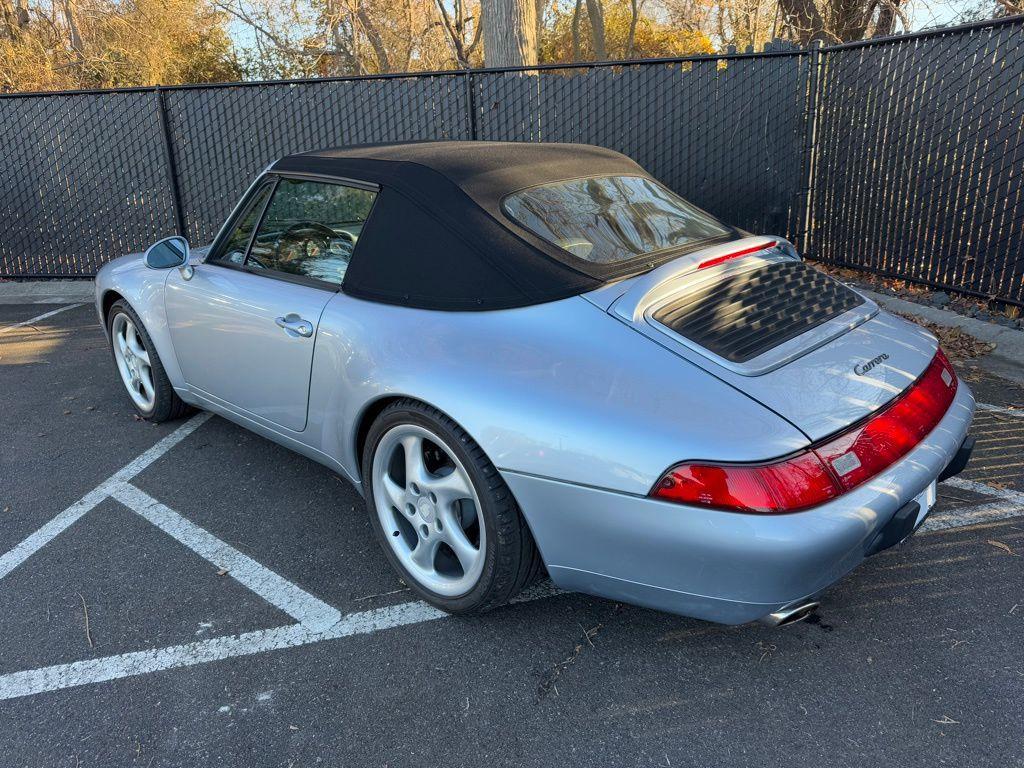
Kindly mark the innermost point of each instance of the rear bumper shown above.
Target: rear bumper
(721, 566)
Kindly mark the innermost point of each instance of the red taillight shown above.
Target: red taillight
(784, 486)
(737, 254)
(862, 452)
(823, 471)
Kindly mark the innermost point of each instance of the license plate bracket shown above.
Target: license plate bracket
(925, 500)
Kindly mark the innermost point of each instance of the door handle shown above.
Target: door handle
(295, 326)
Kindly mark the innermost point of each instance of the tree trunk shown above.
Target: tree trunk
(14, 18)
(596, 14)
(72, 22)
(803, 18)
(634, 11)
(380, 51)
(576, 31)
(886, 18)
(510, 32)
(541, 6)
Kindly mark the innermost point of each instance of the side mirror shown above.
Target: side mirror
(167, 253)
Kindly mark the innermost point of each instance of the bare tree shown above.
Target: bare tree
(14, 17)
(595, 12)
(576, 30)
(634, 17)
(510, 32)
(803, 19)
(840, 20)
(461, 30)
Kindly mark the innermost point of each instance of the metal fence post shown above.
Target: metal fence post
(471, 103)
(811, 141)
(172, 168)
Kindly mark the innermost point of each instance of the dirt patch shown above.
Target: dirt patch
(957, 343)
(989, 310)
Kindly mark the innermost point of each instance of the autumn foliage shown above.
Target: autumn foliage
(650, 38)
(112, 43)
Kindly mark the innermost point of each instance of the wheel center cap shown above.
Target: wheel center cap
(426, 510)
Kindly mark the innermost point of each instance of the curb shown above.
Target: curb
(1006, 360)
(47, 291)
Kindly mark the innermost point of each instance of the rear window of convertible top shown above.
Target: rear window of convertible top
(611, 219)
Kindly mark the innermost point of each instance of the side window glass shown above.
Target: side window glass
(236, 245)
(310, 229)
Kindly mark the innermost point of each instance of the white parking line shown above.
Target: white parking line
(309, 611)
(317, 621)
(203, 652)
(1010, 504)
(22, 551)
(60, 676)
(1017, 412)
(983, 513)
(35, 320)
(1014, 497)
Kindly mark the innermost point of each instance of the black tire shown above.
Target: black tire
(167, 405)
(512, 560)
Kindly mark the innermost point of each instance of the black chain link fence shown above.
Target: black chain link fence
(903, 156)
(919, 159)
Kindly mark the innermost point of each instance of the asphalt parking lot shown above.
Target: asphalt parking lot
(191, 594)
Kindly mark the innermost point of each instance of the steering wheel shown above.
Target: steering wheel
(308, 231)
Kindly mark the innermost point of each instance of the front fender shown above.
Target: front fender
(143, 289)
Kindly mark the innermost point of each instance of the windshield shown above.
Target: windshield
(611, 219)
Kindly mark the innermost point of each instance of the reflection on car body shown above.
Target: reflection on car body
(536, 356)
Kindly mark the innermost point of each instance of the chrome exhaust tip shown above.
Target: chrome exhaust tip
(790, 614)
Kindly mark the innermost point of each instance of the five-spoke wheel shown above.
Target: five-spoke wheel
(139, 366)
(133, 362)
(444, 516)
(426, 501)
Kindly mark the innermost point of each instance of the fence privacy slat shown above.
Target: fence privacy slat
(919, 168)
(914, 167)
(83, 179)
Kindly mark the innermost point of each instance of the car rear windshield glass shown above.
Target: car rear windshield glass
(611, 219)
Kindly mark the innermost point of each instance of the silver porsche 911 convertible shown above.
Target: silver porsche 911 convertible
(536, 356)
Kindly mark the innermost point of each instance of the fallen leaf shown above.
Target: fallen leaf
(1000, 545)
(222, 572)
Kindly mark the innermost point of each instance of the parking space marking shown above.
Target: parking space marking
(43, 316)
(33, 681)
(317, 621)
(309, 611)
(1010, 504)
(29, 546)
(1006, 494)
(981, 513)
(1016, 412)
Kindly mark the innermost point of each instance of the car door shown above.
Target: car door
(244, 323)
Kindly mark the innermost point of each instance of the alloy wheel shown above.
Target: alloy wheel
(429, 510)
(133, 362)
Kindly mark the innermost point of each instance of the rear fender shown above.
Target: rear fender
(559, 390)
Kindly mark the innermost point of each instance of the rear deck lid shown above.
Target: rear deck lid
(813, 350)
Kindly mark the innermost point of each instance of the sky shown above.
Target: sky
(923, 14)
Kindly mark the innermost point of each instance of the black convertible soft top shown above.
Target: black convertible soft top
(438, 238)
